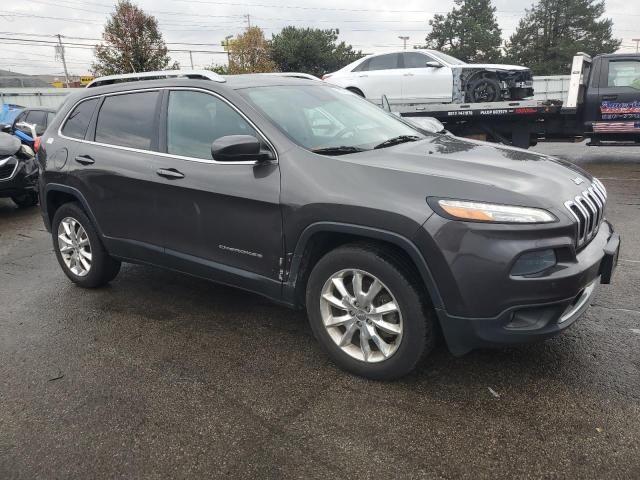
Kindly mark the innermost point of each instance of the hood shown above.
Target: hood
(9, 145)
(494, 66)
(473, 170)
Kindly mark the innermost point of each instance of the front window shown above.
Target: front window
(329, 120)
(196, 119)
(448, 58)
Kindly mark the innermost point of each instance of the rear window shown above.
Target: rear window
(127, 120)
(380, 62)
(38, 117)
(78, 122)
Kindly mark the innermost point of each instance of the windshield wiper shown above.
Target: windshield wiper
(341, 150)
(397, 140)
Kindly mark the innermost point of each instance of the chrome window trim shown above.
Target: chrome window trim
(164, 154)
(15, 168)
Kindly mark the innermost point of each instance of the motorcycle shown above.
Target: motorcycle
(19, 168)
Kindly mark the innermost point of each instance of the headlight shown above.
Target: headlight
(489, 212)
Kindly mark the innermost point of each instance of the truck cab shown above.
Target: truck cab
(611, 110)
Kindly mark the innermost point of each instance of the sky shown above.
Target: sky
(372, 26)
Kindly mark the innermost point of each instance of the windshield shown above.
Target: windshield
(329, 120)
(448, 58)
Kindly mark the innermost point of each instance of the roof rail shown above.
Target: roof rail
(134, 77)
(291, 74)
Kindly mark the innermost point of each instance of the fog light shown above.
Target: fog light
(534, 262)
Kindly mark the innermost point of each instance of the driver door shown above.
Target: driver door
(219, 219)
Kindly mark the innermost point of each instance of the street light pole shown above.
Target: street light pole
(404, 39)
(637, 40)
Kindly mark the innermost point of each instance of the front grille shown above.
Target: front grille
(7, 167)
(588, 210)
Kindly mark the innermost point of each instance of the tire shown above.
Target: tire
(483, 89)
(26, 199)
(102, 267)
(408, 333)
(355, 90)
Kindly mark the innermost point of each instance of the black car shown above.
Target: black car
(310, 195)
(40, 116)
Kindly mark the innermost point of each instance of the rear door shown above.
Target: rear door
(380, 75)
(217, 217)
(422, 84)
(619, 96)
(112, 168)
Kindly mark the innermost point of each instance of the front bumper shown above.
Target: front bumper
(525, 309)
(23, 178)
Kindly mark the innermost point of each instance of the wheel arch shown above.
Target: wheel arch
(357, 91)
(321, 237)
(57, 195)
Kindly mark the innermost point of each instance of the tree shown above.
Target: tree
(250, 53)
(310, 50)
(469, 32)
(131, 43)
(553, 31)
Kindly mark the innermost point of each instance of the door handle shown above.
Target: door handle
(408, 75)
(85, 160)
(609, 97)
(170, 173)
(363, 75)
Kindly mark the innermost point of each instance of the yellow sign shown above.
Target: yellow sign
(86, 79)
(57, 84)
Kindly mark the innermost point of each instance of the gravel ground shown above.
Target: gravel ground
(161, 375)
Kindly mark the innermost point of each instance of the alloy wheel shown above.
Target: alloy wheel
(74, 246)
(361, 315)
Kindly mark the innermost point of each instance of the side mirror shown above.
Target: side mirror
(5, 128)
(433, 64)
(238, 148)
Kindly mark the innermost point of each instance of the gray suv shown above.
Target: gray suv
(308, 194)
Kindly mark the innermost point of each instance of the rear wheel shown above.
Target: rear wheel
(367, 310)
(484, 89)
(26, 199)
(79, 250)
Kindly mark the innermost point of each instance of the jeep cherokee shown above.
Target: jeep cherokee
(308, 194)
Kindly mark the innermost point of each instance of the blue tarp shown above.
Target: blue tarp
(8, 112)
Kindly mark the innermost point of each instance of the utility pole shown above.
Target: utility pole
(637, 40)
(404, 39)
(248, 20)
(64, 62)
(191, 58)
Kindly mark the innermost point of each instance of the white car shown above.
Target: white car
(428, 76)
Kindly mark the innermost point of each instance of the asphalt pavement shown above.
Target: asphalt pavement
(161, 375)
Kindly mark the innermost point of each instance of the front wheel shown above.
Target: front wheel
(367, 310)
(26, 199)
(79, 250)
(484, 90)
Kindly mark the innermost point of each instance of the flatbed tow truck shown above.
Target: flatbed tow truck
(603, 104)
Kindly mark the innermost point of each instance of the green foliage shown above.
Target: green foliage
(310, 50)
(131, 43)
(219, 69)
(553, 31)
(469, 32)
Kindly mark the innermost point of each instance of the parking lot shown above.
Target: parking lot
(162, 374)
